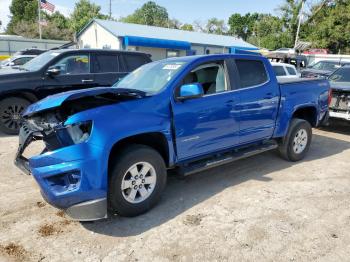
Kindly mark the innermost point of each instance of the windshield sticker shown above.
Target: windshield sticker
(55, 54)
(171, 67)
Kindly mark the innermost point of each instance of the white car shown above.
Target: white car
(16, 61)
(288, 51)
(285, 71)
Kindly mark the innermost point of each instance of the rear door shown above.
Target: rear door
(133, 61)
(75, 73)
(259, 99)
(107, 68)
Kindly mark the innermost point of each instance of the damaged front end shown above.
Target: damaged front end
(71, 170)
(339, 106)
(49, 129)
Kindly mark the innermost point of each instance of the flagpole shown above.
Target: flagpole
(39, 20)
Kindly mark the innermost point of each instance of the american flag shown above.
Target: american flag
(47, 5)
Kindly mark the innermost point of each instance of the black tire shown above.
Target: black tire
(286, 146)
(117, 202)
(10, 110)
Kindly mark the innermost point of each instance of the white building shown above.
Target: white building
(157, 41)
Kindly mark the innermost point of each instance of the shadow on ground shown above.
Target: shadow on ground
(181, 195)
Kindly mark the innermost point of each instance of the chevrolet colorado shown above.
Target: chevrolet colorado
(108, 149)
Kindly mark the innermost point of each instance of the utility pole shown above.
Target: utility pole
(110, 9)
(39, 18)
(299, 23)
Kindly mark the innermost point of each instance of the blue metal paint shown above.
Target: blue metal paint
(154, 42)
(202, 126)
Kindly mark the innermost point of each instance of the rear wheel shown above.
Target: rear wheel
(10, 114)
(137, 180)
(297, 142)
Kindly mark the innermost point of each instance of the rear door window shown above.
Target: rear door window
(133, 61)
(291, 71)
(279, 70)
(106, 63)
(251, 73)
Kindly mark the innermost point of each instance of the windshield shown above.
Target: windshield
(341, 75)
(329, 66)
(150, 78)
(39, 61)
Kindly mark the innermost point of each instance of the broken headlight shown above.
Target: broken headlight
(74, 133)
(79, 132)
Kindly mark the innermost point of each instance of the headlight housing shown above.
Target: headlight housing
(75, 133)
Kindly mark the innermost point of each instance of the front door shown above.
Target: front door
(207, 124)
(74, 74)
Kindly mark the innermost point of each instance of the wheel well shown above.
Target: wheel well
(31, 97)
(155, 140)
(307, 113)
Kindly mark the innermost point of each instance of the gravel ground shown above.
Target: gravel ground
(257, 209)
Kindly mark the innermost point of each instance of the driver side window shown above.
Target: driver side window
(74, 65)
(210, 75)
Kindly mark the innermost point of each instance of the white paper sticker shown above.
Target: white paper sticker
(55, 54)
(171, 67)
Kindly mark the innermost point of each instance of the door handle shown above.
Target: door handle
(87, 80)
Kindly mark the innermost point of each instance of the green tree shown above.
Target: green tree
(149, 14)
(290, 16)
(329, 26)
(216, 26)
(268, 32)
(22, 10)
(83, 12)
(187, 27)
(242, 26)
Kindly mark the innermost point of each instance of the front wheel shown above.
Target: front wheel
(137, 180)
(11, 109)
(297, 142)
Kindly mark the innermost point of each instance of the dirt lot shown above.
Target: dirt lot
(261, 208)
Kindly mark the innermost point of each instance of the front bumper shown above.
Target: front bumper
(72, 178)
(340, 115)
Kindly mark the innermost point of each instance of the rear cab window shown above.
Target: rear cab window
(106, 63)
(291, 71)
(134, 61)
(251, 72)
(279, 70)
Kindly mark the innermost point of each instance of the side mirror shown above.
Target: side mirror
(53, 71)
(190, 91)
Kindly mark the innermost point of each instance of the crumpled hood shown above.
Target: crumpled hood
(340, 85)
(57, 100)
(316, 72)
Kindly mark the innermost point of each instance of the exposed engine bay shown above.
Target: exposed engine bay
(48, 125)
(339, 106)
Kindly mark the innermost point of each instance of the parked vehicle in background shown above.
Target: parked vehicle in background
(16, 61)
(316, 51)
(285, 71)
(289, 51)
(58, 71)
(339, 107)
(30, 51)
(110, 148)
(322, 69)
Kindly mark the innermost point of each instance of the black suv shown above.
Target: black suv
(58, 71)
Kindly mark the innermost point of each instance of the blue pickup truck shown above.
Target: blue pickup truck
(108, 150)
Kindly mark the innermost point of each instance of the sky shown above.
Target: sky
(186, 11)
